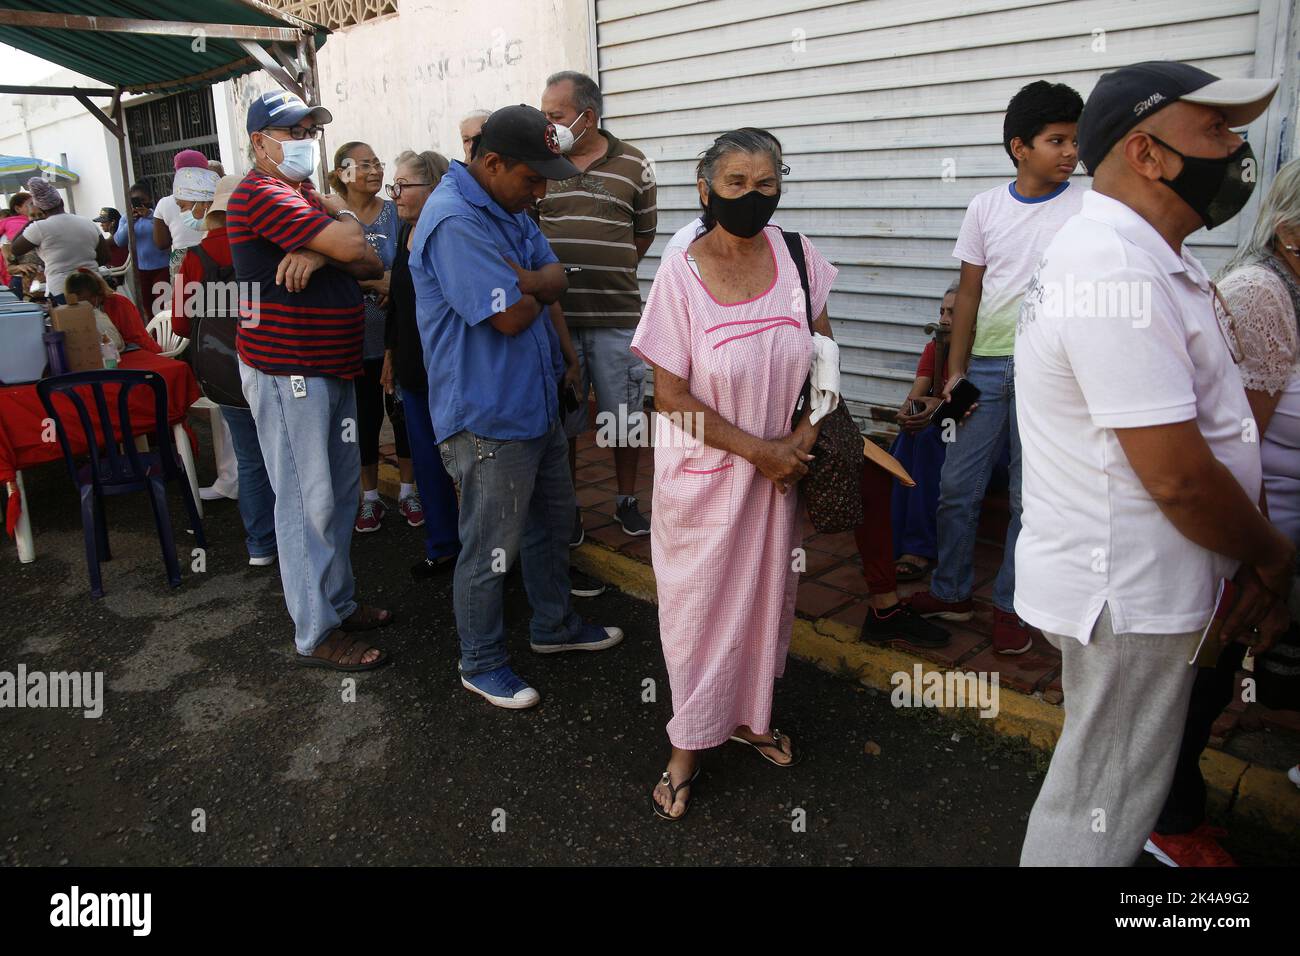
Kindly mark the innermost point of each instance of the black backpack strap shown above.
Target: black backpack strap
(794, 243)
(209, 264)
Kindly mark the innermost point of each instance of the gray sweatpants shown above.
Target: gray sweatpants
(1125, 704)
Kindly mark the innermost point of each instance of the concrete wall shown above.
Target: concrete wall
(50, 126)
(405, 81)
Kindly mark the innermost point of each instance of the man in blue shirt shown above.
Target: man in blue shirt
(483, 276)
(150, 260)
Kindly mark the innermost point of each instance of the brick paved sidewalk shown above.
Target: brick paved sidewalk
(833, 589)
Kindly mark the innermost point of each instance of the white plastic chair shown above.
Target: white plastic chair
(160, 327)
(119, 272)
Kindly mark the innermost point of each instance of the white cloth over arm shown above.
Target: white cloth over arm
(824, 394)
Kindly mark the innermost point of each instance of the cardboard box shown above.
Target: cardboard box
(80, 336)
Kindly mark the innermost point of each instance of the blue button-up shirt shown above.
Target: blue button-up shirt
(148, 255)
(494, 385)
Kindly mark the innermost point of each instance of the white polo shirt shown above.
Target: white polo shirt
(1118, 331)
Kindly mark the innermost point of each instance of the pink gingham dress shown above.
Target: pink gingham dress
(722, 537)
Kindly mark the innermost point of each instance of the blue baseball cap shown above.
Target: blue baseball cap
(282, 108)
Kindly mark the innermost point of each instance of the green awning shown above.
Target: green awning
(192, 56)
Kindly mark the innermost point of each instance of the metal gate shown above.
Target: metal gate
(159, 129)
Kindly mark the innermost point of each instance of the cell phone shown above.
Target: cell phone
(569, 401)
(964, 395)
(915, 407)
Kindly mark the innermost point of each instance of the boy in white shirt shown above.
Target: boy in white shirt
(1002, 238)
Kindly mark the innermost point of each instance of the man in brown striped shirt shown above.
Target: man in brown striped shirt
(601, 221)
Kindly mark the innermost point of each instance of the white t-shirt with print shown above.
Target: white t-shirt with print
(1118, 331)
(183, 237)
(1006, 234)
(65, 244)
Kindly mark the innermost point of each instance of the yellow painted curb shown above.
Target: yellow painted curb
(1264, 796)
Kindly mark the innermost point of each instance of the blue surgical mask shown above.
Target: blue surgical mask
(189, 222)
(301, 157)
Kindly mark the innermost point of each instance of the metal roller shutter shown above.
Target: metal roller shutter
(874, 102)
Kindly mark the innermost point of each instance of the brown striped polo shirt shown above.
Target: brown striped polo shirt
(591, 221)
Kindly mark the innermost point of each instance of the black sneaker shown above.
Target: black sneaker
(630, 517)
(901, 624)
(426, 569)
(578, 534)
(584, 585)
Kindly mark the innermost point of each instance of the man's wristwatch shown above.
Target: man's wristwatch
(349, 212)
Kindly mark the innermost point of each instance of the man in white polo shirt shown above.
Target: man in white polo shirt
(1140, 462)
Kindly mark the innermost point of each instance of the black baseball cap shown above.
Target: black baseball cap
(107, 214)
(1124, 97)
(524, 133)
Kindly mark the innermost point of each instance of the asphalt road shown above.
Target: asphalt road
(204, 711)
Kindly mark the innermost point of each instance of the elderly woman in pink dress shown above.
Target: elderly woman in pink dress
(726, 331)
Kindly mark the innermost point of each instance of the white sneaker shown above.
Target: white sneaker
(262, 562)
(210, 493)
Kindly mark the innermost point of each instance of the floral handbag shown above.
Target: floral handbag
(832, 489)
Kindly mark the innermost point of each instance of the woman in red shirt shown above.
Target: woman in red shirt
(90, 287)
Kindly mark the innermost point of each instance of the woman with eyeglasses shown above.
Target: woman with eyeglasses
(403, 375)
(358, 177)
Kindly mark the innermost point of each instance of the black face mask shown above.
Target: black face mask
(1216, 189)
(745, 216)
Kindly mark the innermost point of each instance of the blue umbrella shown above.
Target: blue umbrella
(16, 170)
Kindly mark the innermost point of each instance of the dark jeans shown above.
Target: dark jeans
(256, 496)
(516, 501)
(371, 403)
(437, 492)
(1212, 691)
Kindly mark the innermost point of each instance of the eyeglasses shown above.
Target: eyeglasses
(395, 189)
(1227, 325)
(301, 132)
(369, 165)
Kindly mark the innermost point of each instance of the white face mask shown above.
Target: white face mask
(299, 158)
(564, 135)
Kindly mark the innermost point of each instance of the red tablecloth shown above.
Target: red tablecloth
(21, 413)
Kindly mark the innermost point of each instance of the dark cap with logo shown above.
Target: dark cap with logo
(107, 214)
(524, 133)
(1124, 97)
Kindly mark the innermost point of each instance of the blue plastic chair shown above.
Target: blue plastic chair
(111, 472)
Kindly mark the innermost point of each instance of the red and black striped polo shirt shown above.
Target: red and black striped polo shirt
(317, 331)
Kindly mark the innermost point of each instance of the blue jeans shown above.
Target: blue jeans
(437, 491)
(966, 469)
(915, 510)
(516, 500)
(256, 496)
(315, 469)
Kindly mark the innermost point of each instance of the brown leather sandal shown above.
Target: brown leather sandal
(339, 652)
(667, 781)
(761, 746)
(367, 618)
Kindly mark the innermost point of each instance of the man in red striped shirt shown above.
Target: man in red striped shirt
(297, 259)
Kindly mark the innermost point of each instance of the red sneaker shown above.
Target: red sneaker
(1010, 634)
(927, 605)
(412, 510)
(1198, 848)
(370, 516)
